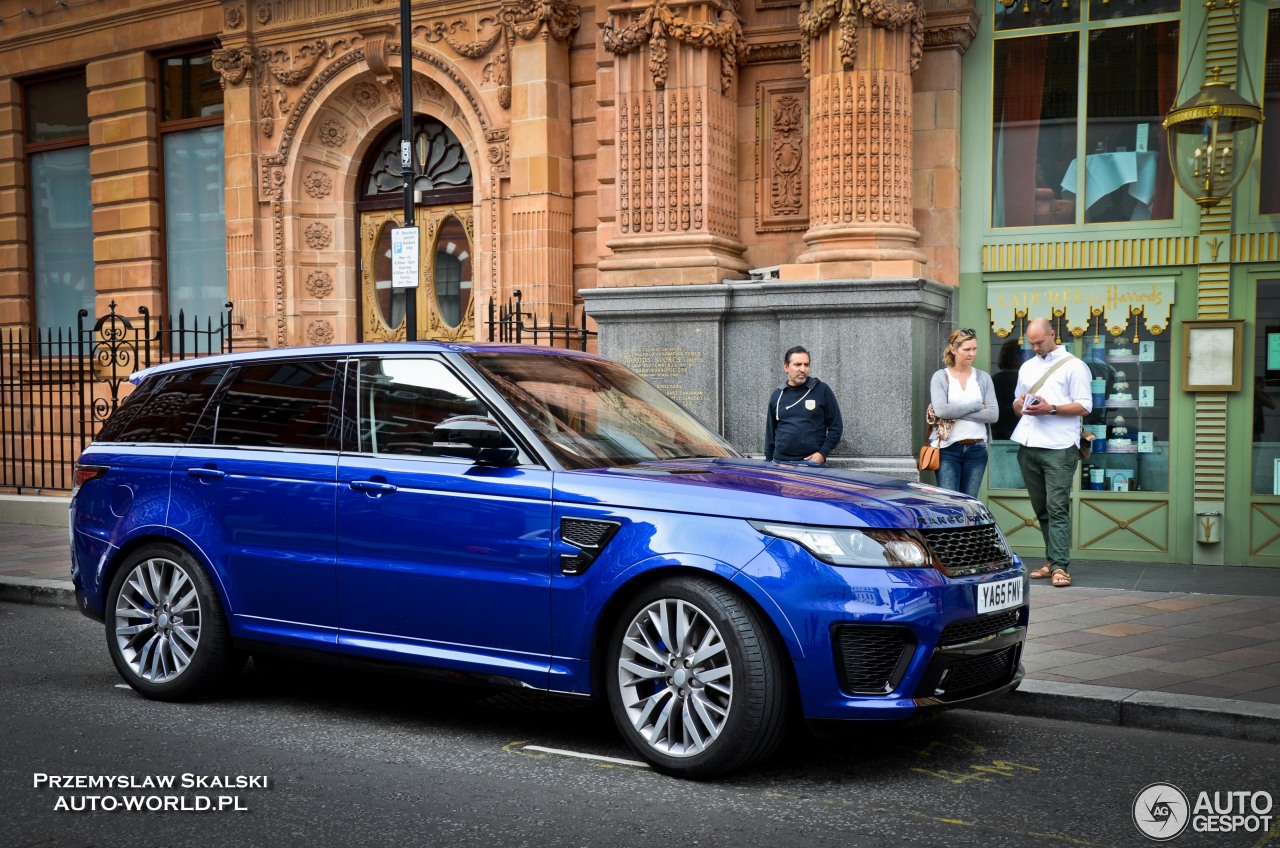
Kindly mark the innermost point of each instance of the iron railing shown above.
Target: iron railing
(59, 384)
(509, 324)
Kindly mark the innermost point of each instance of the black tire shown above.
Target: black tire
(713, 704)
(166, 630)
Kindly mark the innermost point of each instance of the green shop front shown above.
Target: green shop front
(1075, 216)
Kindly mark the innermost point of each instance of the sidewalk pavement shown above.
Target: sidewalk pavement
(1163, 647)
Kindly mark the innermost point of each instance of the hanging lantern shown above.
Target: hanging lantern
(1211, 140)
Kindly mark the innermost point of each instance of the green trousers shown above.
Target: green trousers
(1048, 474)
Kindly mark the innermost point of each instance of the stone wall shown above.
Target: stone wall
(718, 350)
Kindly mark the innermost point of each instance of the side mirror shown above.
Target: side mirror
(475, 437)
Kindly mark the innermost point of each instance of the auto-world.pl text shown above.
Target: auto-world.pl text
(160, 792)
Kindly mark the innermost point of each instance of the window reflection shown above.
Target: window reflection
(453, 272)
(1046, 171)
(1269, 172)
(1266, 390)
(390, 300)
(1035, 129)
(1127, 168)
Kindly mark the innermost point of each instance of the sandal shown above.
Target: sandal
(1042, 572)
(1061, 578)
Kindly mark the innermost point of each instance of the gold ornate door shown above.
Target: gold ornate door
(445, 309)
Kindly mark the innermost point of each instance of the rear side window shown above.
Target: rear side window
(277, 405)
(164, 409)
(400, 402)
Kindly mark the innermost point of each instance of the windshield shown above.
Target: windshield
(593, 413)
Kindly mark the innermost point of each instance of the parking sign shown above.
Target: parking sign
(404, 258)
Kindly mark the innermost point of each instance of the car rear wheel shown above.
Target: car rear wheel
(695, 682)
(166, 631)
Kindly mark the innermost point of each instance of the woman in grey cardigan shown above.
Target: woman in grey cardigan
(967, 396)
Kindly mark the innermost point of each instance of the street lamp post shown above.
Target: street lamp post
(406, 153)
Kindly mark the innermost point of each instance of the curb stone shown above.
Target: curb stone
(1167, 711)
(38, 591)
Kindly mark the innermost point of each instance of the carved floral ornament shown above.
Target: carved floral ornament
(320, 332)
(286, 67)
(658, 23)
(817, 15)
(318, 184)
(527, 19)
(319, 284)
(317, 236)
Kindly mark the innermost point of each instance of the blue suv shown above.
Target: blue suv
(534, 518)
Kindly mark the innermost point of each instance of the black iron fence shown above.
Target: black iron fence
(509, 323)
(58, 385)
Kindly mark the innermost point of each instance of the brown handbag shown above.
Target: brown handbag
(930, 457)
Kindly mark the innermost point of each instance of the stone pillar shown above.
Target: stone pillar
(859, 59)
(950, 27)
(676, 148)
(124, 164)
(15, 253)
(247, 265)
(541, 185)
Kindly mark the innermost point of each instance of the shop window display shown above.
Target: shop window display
(1266, 390)
(1130, 417)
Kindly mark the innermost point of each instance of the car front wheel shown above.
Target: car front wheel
(166, 631)
(695, 682)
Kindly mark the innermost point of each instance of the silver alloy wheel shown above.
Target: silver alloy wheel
(675, 677)
(157, 620)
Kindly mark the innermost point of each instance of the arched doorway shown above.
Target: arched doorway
(445, 308)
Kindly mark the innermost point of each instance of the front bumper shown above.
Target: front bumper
(890, 644)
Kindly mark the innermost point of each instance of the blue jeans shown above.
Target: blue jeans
(960, 468)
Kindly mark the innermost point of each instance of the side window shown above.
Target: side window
(165, 409)
(401, 401)
(283, 404)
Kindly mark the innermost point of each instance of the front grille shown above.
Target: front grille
(971, 629)
(969, 550)
(871, 659)
(983, 672)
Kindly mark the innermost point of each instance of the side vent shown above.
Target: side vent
(589, 535)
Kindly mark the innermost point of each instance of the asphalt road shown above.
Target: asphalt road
(353, 760)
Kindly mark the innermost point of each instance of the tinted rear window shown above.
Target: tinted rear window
(278, 405)
(164, 409)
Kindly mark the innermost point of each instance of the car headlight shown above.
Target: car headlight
(850, 546)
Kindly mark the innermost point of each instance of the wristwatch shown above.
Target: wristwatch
(1053, 409)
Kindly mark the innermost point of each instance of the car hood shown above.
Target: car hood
(755, 489)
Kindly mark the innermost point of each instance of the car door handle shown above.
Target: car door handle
(373, 487)
(206, 473)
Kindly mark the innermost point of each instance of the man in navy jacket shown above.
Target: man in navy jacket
(804, 423)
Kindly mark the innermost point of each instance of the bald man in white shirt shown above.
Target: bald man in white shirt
(1048, 435)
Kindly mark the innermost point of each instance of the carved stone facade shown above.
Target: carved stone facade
(652, 141)
(642, 143)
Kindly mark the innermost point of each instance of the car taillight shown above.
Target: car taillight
(83, 474)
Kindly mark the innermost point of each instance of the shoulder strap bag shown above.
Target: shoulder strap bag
(929, 458)
(1085, 442)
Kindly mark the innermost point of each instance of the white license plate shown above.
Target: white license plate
(998, 596)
